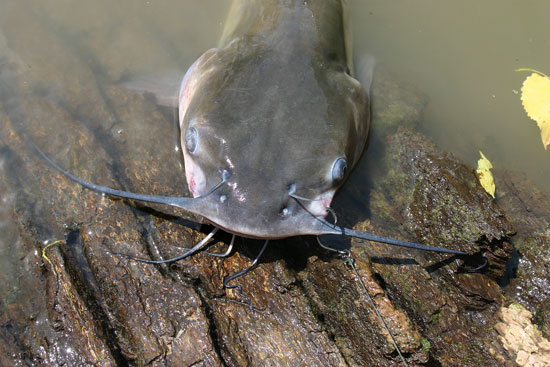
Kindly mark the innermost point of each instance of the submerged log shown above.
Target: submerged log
(80, 303)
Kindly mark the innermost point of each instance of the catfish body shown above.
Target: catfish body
(272, 112)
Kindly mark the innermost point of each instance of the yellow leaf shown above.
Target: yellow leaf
(484, 174)
(545, 133)
(535, 96)
(484, 163)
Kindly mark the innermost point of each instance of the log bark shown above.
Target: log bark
(78, 302)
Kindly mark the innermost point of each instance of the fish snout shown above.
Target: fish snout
(272, 199)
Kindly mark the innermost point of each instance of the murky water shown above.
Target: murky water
(462, 55)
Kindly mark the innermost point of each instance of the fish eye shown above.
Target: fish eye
(192, 140)
(339, 169)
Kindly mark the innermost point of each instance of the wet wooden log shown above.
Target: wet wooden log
(80, 303)
(529, 210)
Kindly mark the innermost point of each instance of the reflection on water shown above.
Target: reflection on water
(461, 54)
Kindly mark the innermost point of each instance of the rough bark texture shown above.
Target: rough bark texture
(529, 211)
(78, 303)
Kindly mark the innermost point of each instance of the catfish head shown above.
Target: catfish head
(268, 136)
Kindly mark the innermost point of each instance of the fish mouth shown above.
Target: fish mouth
(304, 224)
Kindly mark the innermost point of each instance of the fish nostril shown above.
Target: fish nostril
(285, 212)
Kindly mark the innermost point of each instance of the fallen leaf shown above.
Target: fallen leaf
(535, 97)
(484, 175)
(545, 133)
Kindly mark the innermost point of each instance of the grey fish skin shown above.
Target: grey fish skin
(274, 106)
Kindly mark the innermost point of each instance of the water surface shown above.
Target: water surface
(463, 54)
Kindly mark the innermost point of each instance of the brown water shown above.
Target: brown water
(462, 55)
